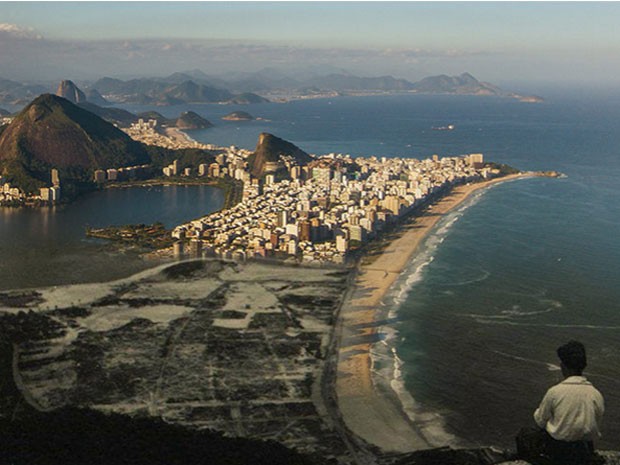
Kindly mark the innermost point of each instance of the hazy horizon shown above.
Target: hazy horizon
(511, 43)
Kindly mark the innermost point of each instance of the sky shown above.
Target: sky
(496, 41)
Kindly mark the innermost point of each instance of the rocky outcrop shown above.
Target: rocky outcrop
(67, 89)
(267, 157)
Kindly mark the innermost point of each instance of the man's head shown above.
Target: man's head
(573, 358)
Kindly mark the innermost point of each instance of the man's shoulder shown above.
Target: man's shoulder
(570, 384)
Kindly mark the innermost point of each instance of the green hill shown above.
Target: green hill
(52, 132)
(191, 120)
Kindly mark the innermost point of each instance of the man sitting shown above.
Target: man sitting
(569, 414)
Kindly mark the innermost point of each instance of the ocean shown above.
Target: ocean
(510, 275)
(503, 280)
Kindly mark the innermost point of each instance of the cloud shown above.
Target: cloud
(20, 32)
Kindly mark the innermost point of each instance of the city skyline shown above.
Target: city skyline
(497, 41)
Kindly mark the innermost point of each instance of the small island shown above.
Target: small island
(238, 116)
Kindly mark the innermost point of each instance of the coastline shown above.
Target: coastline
(370, 410)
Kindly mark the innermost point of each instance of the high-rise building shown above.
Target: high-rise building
(45, 194)
(55, 178)
(282, 218)
(54, 194)
(304, 230)
(178, 249)
(99, 176)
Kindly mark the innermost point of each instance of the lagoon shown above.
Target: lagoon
(47, 246)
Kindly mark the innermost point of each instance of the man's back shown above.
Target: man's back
(571, 410)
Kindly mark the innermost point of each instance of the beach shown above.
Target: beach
(368, 409)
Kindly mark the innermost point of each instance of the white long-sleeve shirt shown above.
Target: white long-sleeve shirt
(571, 410)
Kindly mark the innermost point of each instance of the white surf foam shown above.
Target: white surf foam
(431, 424)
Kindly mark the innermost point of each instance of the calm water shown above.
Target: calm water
(48, 247)
(505, 280)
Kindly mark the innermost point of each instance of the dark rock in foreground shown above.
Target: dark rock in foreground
(78, 436)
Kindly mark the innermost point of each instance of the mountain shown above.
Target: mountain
(95, 97)
(464, 84)
(343, 82)
(4, 112)
(190, 92)
(247, 98)
(51, 132)
(67, 89)
(191, 120)
(116, 116)
(268, 153)
(168, 91)
(17, 93)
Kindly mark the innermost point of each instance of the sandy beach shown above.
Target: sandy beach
(376, 416)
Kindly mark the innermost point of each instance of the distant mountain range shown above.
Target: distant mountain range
(269, 81)
(244, 88)
(19, 93)
(168, 92)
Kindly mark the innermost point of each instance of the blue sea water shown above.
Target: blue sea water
(508, 277)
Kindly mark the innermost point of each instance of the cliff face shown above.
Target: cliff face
(266, 157)
(67, 89)
(52, 132)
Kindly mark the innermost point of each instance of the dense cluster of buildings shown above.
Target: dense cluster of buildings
(47, 195)
(151, 133)
(322, 210)
(127, 173)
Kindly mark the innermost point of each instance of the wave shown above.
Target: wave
(414, 272)
(485, 275)
(489, 321)
(550, 366)
(387, 368)
(516, 312)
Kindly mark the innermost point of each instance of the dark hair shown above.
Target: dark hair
(573, 355)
